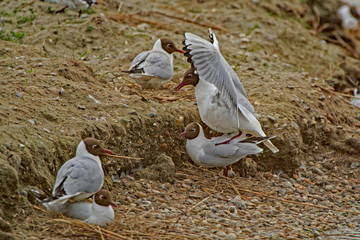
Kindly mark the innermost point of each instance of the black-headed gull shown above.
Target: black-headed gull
(153, 68)
(99, 212)
(206, 152)
(77, 5)
(222, 101)
(81, 176)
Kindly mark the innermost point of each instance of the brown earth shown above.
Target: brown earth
(53, 77)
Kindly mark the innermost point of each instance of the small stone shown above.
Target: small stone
(82, 107)
(19, 94)
(33, 122)
(221, 234)
(124, 105)
(53, 74)
(61, 91)
(288, 184)
(152, 115)
(23, 193)
(322, 98)
(21, 145)
(272, 119)
(134, 113)
(290, 87)
(46, 130)
(329, 187)
(230, 236)
(237, 201)
(354, 165)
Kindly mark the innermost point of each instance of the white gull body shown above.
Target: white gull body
(89, 212)
(81, 176)
(155, 67)
(222, 101)
(204, 152)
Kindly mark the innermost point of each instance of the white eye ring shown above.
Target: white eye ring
(95, 146)
(101, 197)
(168, 45)
(193, 130)
(190, 75)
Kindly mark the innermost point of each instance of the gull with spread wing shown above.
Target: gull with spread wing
(222, 101)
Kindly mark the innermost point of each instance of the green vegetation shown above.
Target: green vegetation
(89, 28)
(256, 26)
(16, 37)
(4, 14)
(26, 19)
(82, 54)
(88, 11)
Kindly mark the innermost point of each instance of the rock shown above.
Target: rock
(221, 234)
(329, 187)
(19, 94)
(288, 184)
(152, 115)
(81, 107)
(230, 236)
(354, 165)
(33, 122)
(237, 201)
(61, 91)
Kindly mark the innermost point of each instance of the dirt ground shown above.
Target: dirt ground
(61, 81)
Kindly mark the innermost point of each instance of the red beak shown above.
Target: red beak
(181, 135)
(104, 150)
(113, 204)
(181, 85)
(178, 50)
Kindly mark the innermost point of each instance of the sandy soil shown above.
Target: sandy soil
(62, 81)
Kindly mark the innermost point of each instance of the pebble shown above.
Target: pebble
(354, 165)
(124, 105)
(61, 91)
(230, 236)
(272, 119)
(288, 184)
(221, 234)
(19, 94)
(33, 122)
(152, 115)
(329, 187)
(82, 107)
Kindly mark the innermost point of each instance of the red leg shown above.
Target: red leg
(226, 170)
(226, 142)
(62, 10)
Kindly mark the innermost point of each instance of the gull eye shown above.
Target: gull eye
(190, 75)
(95, 146)
(168, 45)
(193, 130)
(101, 197)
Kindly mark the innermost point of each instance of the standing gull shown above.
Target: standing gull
(207, 153)
(81, 176)
(222, 101)
(153, 68)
